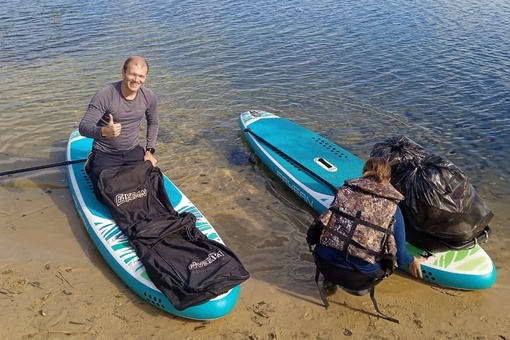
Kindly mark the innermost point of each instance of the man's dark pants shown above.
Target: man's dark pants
(100, 160)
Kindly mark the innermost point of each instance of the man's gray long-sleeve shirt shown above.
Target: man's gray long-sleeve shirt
(129, 113)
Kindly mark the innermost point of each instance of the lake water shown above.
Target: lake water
(354, 71)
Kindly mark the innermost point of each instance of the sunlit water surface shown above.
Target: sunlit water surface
(354, 71)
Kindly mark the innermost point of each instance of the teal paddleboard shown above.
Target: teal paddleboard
(115, 247)
(313, 167)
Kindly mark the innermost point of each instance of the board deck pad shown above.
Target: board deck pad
(313, 167)
(329, 161)
(115, 247)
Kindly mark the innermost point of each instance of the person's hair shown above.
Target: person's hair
(128, 60)
(379, 168)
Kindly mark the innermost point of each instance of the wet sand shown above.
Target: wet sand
(54, 284)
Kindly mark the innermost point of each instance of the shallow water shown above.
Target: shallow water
(356, 72)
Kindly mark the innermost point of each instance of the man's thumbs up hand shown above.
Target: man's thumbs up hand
(112, 129)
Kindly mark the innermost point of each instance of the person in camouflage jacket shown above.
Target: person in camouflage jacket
(360, 242)
(377, 203)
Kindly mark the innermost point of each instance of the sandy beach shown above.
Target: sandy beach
(54, 284)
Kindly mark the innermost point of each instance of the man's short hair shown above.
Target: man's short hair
(128, 60)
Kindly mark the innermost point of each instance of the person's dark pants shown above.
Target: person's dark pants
(350, 279)
(99, 161)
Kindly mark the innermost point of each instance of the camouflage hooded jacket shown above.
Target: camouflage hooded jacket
(377, 203)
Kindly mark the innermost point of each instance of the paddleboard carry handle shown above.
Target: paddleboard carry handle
(325, 164)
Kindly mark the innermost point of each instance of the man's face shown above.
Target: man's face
(135, 75)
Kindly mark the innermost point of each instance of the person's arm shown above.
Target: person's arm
(403, 256)
(152, 118)
(150, 157)
(415, 267)
(91, 124)
(152, 128)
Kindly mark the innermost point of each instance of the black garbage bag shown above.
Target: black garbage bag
(439, 199)
(434, 181)
(398, 149)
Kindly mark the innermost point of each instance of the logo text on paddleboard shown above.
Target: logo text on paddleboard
(295, 188)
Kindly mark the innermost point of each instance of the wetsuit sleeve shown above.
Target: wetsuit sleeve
(403, 256)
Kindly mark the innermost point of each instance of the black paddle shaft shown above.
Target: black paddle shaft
(39, 167)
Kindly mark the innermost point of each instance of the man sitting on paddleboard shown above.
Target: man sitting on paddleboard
(113, 119)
